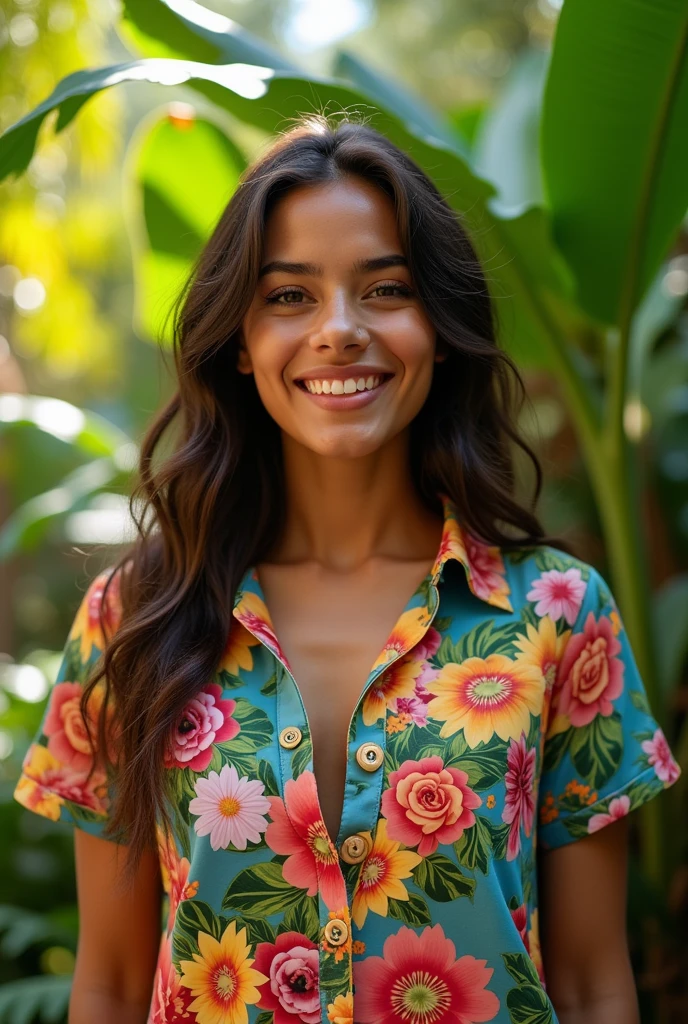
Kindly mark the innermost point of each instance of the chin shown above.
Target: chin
(343, 444)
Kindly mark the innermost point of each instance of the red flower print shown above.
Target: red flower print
(298, 830)
(590, 674)
(175, 875)
(252, 612)
(520, 798)
(427, 804)
(292, 991)
(418, 980)
(205, 720)
(97, 620)
(661, 757)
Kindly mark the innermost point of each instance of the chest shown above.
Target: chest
(332, 627)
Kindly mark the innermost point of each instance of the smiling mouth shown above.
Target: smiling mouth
(350, 386)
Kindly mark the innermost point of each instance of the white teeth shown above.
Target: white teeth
(343, 387)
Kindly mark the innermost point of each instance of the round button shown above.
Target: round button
(354, 849)
(290, 737)
(370, 756)
(336, 932)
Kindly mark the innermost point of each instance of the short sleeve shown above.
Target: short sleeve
(54, 781)
(604, 754)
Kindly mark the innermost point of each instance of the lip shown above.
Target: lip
(342, 402)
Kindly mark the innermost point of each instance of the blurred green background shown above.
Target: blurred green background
(561, 135)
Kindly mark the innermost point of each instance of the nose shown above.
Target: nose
(338, 328)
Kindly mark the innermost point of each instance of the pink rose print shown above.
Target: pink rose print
(618, 808)
(291, 965)
(64, 726)
(427, 804)
(590, 675)
(661, 757)
(205, 720)
(520, 799)
(421, 971)
(558, 593)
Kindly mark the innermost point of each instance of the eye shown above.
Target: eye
(395, 286)
(274, 298)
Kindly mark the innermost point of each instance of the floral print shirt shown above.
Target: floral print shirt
(505, 712)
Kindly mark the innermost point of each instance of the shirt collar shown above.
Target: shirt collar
(483, 564)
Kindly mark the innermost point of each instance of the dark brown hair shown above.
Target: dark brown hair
(213, 504)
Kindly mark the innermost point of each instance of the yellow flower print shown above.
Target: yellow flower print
(410, 627)
(34, 797)
(397, 723)
(380, 877)
(541, 648)
(96, 619)
(221, 978)
(615, 620)
(491, 801)
(399, 680)
(237, 653)
(486, 696)
(341, 1011)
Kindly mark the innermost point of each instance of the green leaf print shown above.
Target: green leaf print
(261, 891)
(269, 689)
(500, 837)
(442, 880)
(256, 729)
(474, 846)
(229, 681)
(267, 777)
(639, 701)
(413, 912)
(193, 916)
(597, 749)
(301, 757)
(529, 1005)
(266, 1017)
(303, 918)
(555, 748)
(485, 765)
(257, 929)
(528, 1002)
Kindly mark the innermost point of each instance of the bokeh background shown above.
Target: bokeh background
(559, 133)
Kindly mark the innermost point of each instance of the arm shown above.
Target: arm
(583, 915)
(119, 935)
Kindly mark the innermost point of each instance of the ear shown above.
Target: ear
(243, 364)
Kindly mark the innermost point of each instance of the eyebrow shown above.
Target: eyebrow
(315, 269)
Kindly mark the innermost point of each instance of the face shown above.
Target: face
(336, 337)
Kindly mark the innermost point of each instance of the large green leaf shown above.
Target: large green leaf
(86, 431)
(44, 997)
(391, 95)
(182, 28)
(506, 148)
(270, 99)
(172, 216)
(615, 145)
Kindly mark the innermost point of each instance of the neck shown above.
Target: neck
(343, 513)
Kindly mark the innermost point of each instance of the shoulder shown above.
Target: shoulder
(556, 582)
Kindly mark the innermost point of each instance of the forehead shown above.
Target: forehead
(332, 217)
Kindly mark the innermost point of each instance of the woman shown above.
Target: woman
(336, 841)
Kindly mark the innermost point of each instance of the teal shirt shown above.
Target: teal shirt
(504, 712)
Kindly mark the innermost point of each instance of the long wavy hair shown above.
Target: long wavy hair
(209, 500)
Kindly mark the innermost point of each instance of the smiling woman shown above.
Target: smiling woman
(343, 695)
